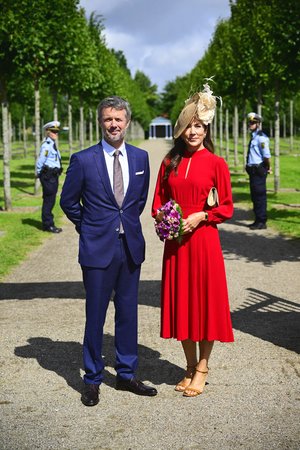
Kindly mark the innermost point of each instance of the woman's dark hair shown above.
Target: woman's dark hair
(173, 158)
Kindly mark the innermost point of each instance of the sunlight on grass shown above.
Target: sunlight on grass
(20, 230)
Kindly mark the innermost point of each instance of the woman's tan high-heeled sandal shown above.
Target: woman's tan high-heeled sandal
(193, 391)
(183, 384)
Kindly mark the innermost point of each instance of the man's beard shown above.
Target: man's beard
(115, 138)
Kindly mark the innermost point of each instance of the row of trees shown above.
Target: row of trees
(255, 60)
(56, 50)
(52, 58)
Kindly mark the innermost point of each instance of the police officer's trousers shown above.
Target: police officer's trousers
(258, 190)
(50, 187)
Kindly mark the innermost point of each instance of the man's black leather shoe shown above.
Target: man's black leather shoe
(258, 226)
(53, 229)
(90, 395)
(135, 386)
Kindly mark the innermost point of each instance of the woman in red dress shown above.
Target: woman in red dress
(194, 297)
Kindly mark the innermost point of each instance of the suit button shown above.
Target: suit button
(121, 211)
(117, 229)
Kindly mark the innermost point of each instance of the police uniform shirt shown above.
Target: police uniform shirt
(259, 148)
(49, 156)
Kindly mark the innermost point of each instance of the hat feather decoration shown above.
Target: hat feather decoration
(200, 105)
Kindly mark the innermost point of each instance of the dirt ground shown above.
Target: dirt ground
(251, 401)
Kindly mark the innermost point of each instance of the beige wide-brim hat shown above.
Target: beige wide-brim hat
(201, 105)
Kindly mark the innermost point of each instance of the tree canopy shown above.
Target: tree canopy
(63, 53)
(254, 57)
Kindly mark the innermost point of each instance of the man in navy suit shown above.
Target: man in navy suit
(111, 243)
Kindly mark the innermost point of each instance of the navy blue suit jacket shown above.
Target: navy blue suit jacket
(88, 201)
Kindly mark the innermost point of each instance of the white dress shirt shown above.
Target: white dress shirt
(109, 159)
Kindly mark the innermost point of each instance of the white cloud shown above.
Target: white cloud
(119, 40)
(162, 38)
(161, 62)
(104, 7)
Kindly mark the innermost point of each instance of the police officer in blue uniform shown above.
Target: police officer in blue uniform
(257, 167)
(48, 168)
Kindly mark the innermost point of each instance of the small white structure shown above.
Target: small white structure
(160, 127)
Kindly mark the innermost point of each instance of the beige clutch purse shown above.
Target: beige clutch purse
(213, 197)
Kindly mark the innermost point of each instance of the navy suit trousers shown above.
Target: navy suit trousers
(122, 277)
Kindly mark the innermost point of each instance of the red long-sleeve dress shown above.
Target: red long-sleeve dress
(194, 297)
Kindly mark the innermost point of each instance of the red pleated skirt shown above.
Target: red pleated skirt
(194, 297)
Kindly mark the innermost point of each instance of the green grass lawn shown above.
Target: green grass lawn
(20, 230)
(283, 207)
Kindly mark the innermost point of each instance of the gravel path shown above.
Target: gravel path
(251, 402)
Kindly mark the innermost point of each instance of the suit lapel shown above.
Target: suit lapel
(102, 171)
(131, 169)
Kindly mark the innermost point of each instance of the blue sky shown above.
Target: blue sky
(162, 38)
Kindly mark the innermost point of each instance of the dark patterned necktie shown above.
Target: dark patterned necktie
(57, 155)
(118, 184)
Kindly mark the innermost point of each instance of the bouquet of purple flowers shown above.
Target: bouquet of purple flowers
(170, 226)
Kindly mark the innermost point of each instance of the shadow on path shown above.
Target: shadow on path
(65, 359)
(43, 290)
(256, 246)
(270, 318)
(149, 291)
(263, 315)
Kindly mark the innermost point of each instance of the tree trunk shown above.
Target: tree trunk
(6, 159)
(215, 126)
(90, 127)
(24, 137)
(221, 129)
(55, 114)
(37, 129)
(291, 125)
(284, 126)
(227, 134)
(81, 130)
(271, 129)
(10, 135)
(70, 127)
(259, 101)
(259, 109)
(236, 136)
(276, 150)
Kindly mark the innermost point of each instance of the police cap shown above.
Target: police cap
(52, 126)
(253, 117)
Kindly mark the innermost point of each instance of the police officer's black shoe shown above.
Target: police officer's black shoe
(258, 226)
(52, 229)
